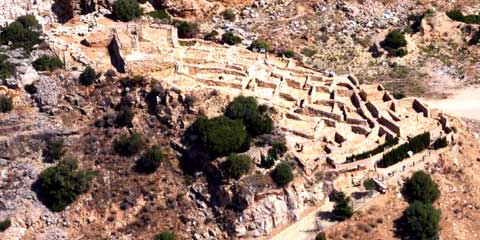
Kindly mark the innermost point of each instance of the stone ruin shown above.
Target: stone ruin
(325, 119)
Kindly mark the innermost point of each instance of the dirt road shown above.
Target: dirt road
(463, 102)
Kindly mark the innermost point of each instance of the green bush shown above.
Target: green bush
(162, 15)
(129, 145)
(24, 32)
(282, 174)
(133, 81)
(308, 52)
(258, 45)
(369, 184)
(341, 210)
(422, 221)
(126, 10)
(321, 236)
(421, 187)
(61, 185)
(187, 30)
(221, 135)
(395, 39)
(55, 148)
(237, 165)
(150, 161)
(6, 103)
(47, 63)
(125, 116)
(211, 36)
(88, 76)
(287, 53)
(229, 15)
(277, 150)
(415, 144)
(440, 143)
(5, 224)
(457, 15)
(247, 109)
(230, 38)
(165, 235)
(380, 148)
(267, 162)
(31, 88)
(7, 69)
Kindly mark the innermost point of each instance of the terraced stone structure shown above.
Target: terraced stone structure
(325, 119)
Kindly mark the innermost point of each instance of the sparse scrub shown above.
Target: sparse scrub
(237, 165)
(211, 36)
(229, 15)
(259, 45)
(129, 144)
(126, 10)
(55, 149)
(24, 33)
(282, 174)
(187, 29)
(47, 63)
(286, 53)
(125, 116)
(7, 69)
(161, 15)
(165, 235)
(62, 184)
(309, 52)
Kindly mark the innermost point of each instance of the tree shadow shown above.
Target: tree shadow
(63, 9)
(399, 230)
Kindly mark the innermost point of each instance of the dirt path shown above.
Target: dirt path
(463, 102)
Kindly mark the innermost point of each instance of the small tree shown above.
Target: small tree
(369, 184)
(6, 103)
(258, 45)
(150, 161)
(395, 44)
(88, 76)
(321, 236)
(277, 150)
(55, 148)
(187, 30)
(230, 38)
(126, 10)
(221, 135)
(282, 174)
(211, 36)
(5, 224)
(237, 165)
(162, 15)
(165, 235)
(247, 109)
(47, 63)
(341, 210)
(287, 53)
(422, 188)
(125, 116)
(22, 33)
(422, 221)
(267, 162)
(61, 185)
(129, 145)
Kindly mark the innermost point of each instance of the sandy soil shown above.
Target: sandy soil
(463, 102)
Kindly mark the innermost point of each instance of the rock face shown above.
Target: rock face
(273, 210)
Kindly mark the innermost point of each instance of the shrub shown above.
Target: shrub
(162, 15)
(422, 221)
(211, 36)
(31, 88)
(399, 95)
(308, 52)
(133, 81)
(165, 235)
(395, 39)
(88, 76)
(246, 109)
(129, 145)
(369, 184)
(24, 32)
(62, 184)
(6, 103)
(150, 161)
(267, 162)
(457, 15)
(259, 45)
(47, 63)
(440, 143)
(421, 187)
(5, 224)
(126, 10)
(321, 236)
(221, 135)
(55, 148)
(237, 165)
(187, 30)
(230, 38)
(7, 69)
(287, 53)
(380, 148)
(282, 174)
(228, 15)
(125, 116)
(415, 144)
(277, 150)
(341, 210)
